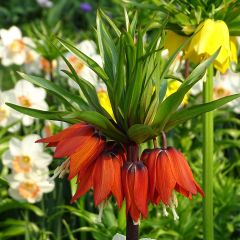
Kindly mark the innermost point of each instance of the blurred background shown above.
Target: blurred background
(33, 205)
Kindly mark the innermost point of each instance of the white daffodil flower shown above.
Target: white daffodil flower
(26, 156)
(7, 115)
(31, 97)
(29, 187)
(14, 48)
(88, 47)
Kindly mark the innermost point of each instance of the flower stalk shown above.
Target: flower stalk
(208, 159)
(132, 229)
(164, 140)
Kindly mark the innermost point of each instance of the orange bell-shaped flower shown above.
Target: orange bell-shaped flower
(135, 188)
(168, 171)
(104, 175)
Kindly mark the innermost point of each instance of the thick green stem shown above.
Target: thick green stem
(208, 159)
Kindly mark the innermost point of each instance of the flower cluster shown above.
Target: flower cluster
(111, 169)
(28, 162)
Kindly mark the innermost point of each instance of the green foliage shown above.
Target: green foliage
(136, 80)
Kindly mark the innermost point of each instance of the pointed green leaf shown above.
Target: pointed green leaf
(191, 112)
(48, 115)
(171, 103)
(87, 60)
(76, 101)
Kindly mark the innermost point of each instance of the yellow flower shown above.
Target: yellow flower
(233, 47)
(173, 87)
(173, 41)
(104, 101)
(208, 37)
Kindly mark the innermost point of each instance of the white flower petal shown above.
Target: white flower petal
(19, 58)
(23, 88)
(9, 35)
(29, 147)
(88, 47)
(7, 159)
(15, 147)
(27, 120)
(46, 186)
(37, 94)
(15, 194)
(42, 160)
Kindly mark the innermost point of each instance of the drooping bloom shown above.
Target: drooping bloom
(103, 175)
(25, 156)
(96, 163)
(209, 36)
(29, 187)
(80, 143)
(135, 188)
(169, 171)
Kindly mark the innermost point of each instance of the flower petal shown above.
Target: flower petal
(165, 179)
(103, 178)
(141, 188)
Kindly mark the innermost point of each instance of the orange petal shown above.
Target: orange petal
(117, 184)
(134, 212)
(68, 146)
(184, 192)
(103, 178)
(141, 188)
(84, 183)
(199, 189)
(181, 170)
(63, 134)
(125, 185)
(151, 166)
(165, 180)
(85, 155)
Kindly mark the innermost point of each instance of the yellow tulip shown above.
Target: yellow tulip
(104, 101)
(173, 41)
(208, 37)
